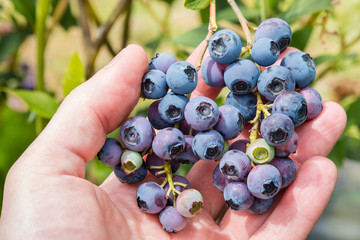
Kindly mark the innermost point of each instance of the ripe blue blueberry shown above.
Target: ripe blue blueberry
(219, 180)
(260, 206)
(313, 101)
(241, 76)
(187, 156)
(275, 29)
(171, 107)
(237, 196)
(208, 145)
(110, 153)
(235, 165)
(239, 145)
(162, 61)
(265, 51)
(171, 220)
(302, 67)
(225, 46)
(293, 105)
(245, 103)
(230, 123)
(168, 143)
(182, 77)
(212, 73)
(154, 84)
(137, 133)
(287, 169)
(275, 80)
(264, 181)
(154, 117)
(131, 178)
(150, 197)
(201, 113)
(153, 162)
(288, 148)
(277, 129)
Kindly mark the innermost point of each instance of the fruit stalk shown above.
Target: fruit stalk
(211, 30)
(260, 108)
(242, 20)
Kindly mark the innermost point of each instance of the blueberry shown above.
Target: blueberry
(162, 61)
(110, 153)
(171, 107)
(208, 145)
(239, 145)
(225, 46)
(131, 161)
(219, 180)
(187, 156)
(131, 178)
(277, 129)
(275, 29)
(189, 203)
(264, 181)
(137, 133)
(171, 220)
(168, 143)
(150, 197)
(230, 123)
(235, 165)
(291, 104)
(302, 67)
(154, 117)
(245, 103)
(286, 168)
(313, 101)
(265, 51)
(201, 113)
(182, 77)
(260, 206)
(154, 84)
(241, 76)
(275, 80)
(213, 73)
(237, 196)
(287, 148)
(260, 151)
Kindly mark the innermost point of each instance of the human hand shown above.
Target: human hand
(46, 195)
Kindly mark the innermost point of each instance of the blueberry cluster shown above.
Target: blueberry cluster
(252, 172)
(178, 130)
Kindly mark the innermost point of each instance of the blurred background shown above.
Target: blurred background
(48, 47)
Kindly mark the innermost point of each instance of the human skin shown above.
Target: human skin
(47, 197)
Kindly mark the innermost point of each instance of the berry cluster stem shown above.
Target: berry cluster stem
(260, 108)
(243, 22)
(211, 30)
(169, 180)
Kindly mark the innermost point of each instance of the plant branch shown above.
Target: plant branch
(211, 30)
(126, 29)
(243, 22)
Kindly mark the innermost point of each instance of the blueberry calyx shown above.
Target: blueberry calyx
(173, 113)
(195, 208)
(148, 86)
(142, 204)
(218, 46)
(132, 137)
(269, 188)
(175, 150)
(191, 73)
(278, 136)
(241, 87)
(205, 110)
(229, 170)
(302, 112)
(212, 152)
(230, 203)
(276, 86)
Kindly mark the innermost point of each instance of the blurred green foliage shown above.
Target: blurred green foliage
(105, 31)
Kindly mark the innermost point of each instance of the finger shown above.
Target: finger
(202, 89)
(318, 136)
(78, 129)
(298, 210)
(303, 202)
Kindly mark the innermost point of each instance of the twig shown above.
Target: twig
(212, 28)
(58, 13)
(126, 30)
(242, 20)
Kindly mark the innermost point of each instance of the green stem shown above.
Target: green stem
(243, 22)
(169, 178)
(42, 10)
(260, 108)
(263, 5)
(211, 30)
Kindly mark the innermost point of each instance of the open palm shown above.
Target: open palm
(47, 197)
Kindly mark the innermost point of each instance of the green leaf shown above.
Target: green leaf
(338, 153)
(10, 43)
(196, 4)
(334, 58)
(352, 146)
(301, 37)
(41, 103)
(192, 38)
(74, 75)
(304, 7)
